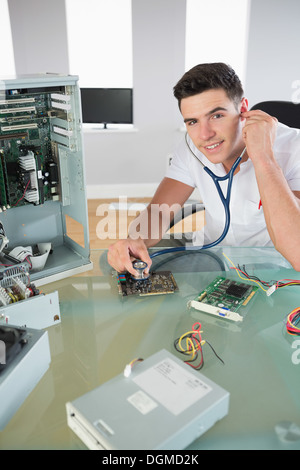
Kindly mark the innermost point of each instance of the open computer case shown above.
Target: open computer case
(42, 178)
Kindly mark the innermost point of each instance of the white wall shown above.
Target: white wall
(273, 50)
(39, 36)
(7, 64)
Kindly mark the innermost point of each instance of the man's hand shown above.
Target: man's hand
(123, 252)
(259, 134)
(170, 193)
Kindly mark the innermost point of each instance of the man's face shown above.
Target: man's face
(214, 124)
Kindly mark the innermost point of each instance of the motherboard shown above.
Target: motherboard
(28, 157)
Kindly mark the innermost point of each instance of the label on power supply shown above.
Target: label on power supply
(142, 402)
(172, 386)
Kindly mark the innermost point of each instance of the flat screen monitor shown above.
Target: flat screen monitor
(107, 105)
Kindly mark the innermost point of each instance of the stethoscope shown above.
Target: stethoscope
(224, 199)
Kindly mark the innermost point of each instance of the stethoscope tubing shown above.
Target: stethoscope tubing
(224, 199)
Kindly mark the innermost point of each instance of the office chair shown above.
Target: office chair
(286, 112)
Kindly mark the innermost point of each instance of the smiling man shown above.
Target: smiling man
(215, 127)
(264, 206)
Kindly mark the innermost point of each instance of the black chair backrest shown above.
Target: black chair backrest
(286, 112)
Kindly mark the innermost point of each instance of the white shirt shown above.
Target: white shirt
(248, 226)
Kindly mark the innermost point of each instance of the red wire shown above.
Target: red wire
(292, 329)
(23, 194)
(196, 327)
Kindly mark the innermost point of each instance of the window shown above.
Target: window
(100, 42)
(217, 31)
(7, 63)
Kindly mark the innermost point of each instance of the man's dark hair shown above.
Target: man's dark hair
(211, 76)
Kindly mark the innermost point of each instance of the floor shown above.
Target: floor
(109, 220)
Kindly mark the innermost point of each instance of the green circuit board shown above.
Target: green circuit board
(28, 164)
(228, 294)
(161, 282)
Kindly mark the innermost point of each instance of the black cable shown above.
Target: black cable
(254, 278)
(220, 359)
(197, 348)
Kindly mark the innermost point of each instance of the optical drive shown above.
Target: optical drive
(162, 404)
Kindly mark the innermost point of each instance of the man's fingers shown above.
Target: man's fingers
(257, 115)
(121, 255)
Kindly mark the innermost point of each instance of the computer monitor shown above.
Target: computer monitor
(107, 105)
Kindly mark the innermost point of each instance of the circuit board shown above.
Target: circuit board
(157, 283)
(28, 164)
(224, 297)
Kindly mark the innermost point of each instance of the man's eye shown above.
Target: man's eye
(191, 123)
(217, 116)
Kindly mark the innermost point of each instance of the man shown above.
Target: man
(266, 185)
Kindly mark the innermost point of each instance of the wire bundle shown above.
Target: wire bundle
(262, 284)
(256, 279)
(267, 286)
(190, 344)
(271, 285)
(287, 282)
(293, 322)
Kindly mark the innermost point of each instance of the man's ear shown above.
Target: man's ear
(244, 105)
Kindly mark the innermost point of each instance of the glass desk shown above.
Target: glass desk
(101, 332)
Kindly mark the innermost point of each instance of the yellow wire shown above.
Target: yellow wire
(135, 360)
(244, 278)
(188, 340)
(290, 322)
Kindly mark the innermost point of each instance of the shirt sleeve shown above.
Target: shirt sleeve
(293, 167)
(179, 168)
(287, 153)
(294, 182)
